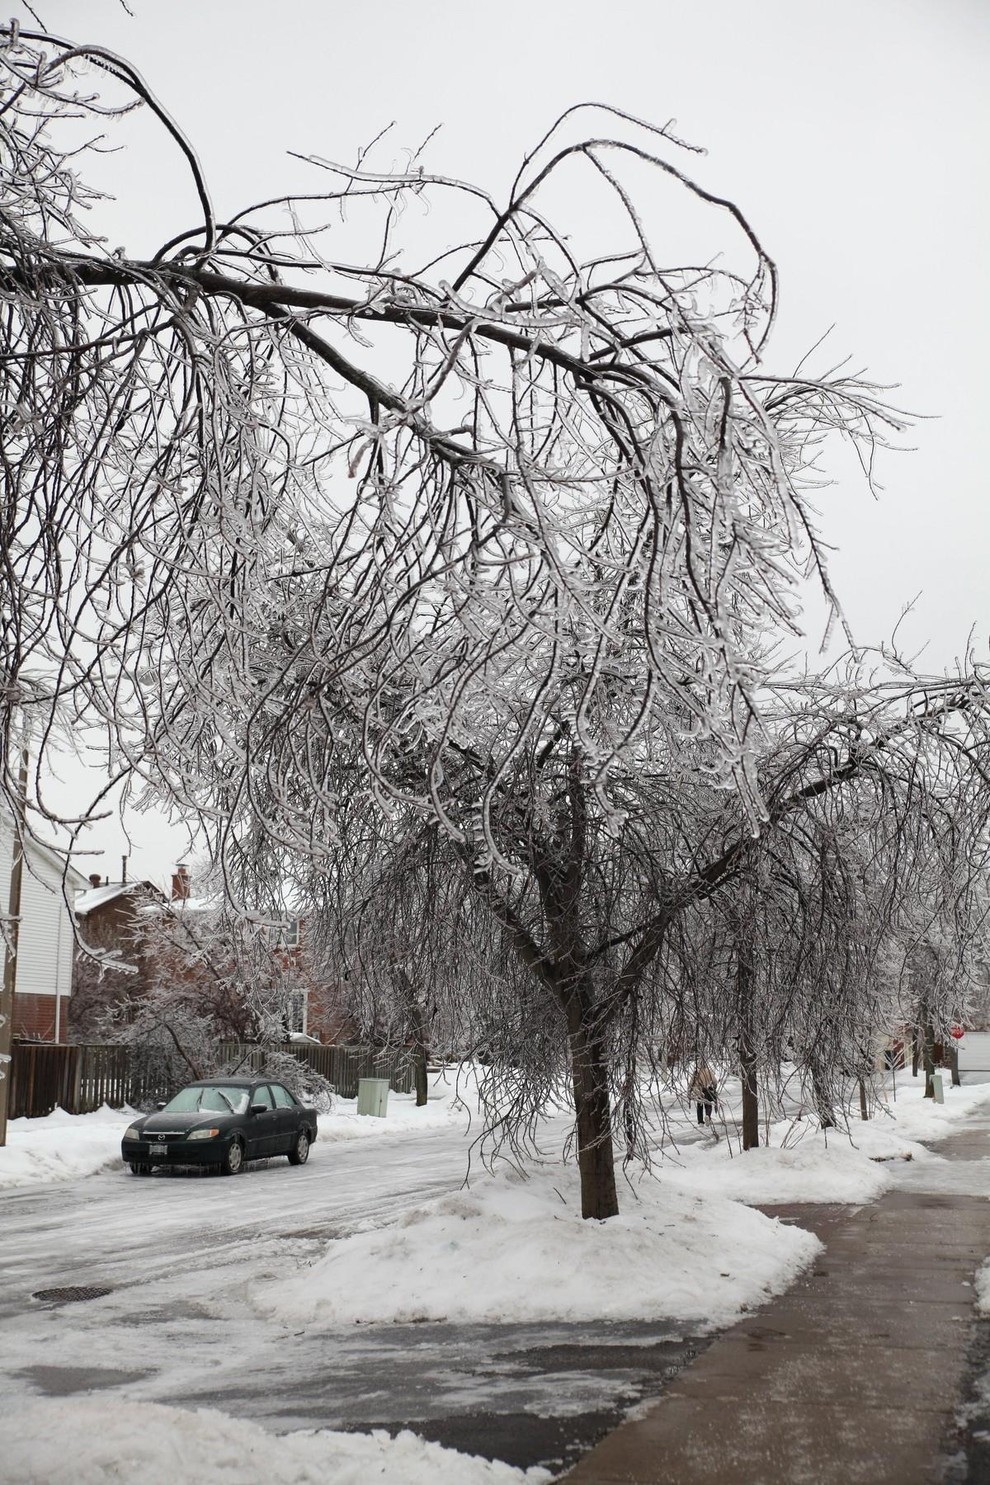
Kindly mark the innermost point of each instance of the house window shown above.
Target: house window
(284, 935)
(295, 1012)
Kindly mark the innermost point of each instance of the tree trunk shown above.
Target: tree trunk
(420, 1051)
(915, 1052)
(823, 1100)
(864, 1112)
(954, 1063)
(928, 1056)
(745, 989)
(592, 1105)
(420, 1079)
(750, 1095)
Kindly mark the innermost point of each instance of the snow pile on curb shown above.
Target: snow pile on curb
(982, 1287)
(111, 1441)
(809, 1172)
(802, 1163)
(62, 1146)
(513, 1249)
(911, 1116)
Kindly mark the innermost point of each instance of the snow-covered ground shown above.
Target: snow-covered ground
(96, 1441)
(689, 1246)
(983, 1289)
(798, 1162)
(514, 1248)
(61, 1146)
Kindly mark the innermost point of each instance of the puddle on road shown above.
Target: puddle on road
(547, 1403)
(524, 1394)
(63, 1381)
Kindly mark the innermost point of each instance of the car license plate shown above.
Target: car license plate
(158, 1152)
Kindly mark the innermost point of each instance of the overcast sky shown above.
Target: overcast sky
(854, 135)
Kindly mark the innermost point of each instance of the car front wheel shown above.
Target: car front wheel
(299, 1153)
(233, 1159)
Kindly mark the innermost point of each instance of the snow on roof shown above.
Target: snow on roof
(35, 847)
(97, 897)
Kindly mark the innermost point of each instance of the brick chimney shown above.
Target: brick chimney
(180, 882)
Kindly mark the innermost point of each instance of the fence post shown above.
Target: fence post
(76, 1080)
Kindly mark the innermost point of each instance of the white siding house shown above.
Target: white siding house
(974, 1057)
(46, 945)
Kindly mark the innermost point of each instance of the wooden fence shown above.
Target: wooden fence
(79, 1080)
(45, 1076)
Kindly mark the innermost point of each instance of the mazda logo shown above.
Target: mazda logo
(161, 1138)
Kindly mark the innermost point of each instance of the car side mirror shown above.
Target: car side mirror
(259, 1108)
(160, 1104)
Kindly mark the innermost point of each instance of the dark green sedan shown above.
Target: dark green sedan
(221, 1122)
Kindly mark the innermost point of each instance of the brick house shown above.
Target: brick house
(182, 940)
(109, 918)
(313, 1008)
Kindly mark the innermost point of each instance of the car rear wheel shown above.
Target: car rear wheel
(140, 1168)
(233, 1158)
(299, 1153)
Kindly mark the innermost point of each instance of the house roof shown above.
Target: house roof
(97, 897)
(37, 848)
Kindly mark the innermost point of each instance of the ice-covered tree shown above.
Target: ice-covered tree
(490, 517)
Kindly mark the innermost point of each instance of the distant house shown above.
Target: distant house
(185, 946)
(273, 953)
(46, 941)
(109, 918)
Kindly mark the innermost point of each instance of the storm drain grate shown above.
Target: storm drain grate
(70, 1293)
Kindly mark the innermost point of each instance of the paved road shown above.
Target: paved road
(179, 1252)
(113, 1229)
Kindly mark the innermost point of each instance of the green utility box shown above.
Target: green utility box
(937, 1088)
(373, 1096)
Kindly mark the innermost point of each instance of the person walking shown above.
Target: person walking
(704, 1090)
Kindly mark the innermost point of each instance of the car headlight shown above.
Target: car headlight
(133, 1133)
(204, 1134)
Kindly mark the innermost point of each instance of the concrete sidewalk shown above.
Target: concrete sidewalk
(852, 1376)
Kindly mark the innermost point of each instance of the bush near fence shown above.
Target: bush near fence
(343, 1067)
(45, 1075)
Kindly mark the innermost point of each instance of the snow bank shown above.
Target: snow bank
(687, 1245)
(983, 1288)
(516, 1249)
(810, 1172)
(110, 1441)
(801, 1163)
(453, 1100)
(909, 1115)
(62, 1146)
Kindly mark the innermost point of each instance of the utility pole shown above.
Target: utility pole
(10, 943)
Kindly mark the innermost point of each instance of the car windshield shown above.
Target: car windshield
(213, 1098)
